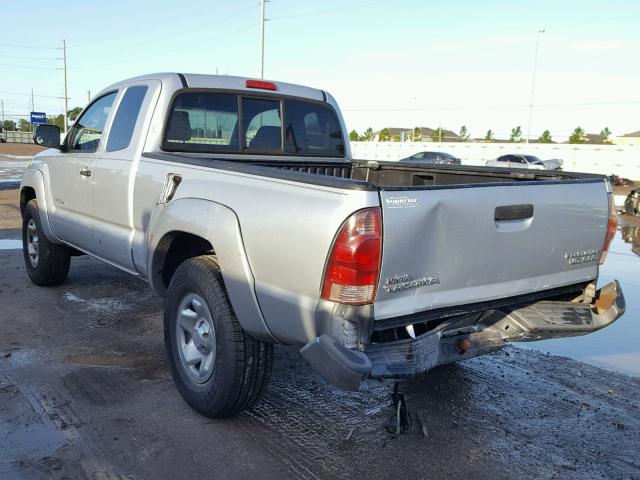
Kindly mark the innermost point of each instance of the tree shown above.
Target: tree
(353, 136)
(416, 135)
(384, 135)
(516, 135)
(24, 126)
(605, 134)
(73, 113)
(489, 136)
(395, 137)
(367, 136)
(545, 137)
(464, 133)
(577, 136)
(437, 135)
(57, 120)
(9, 125)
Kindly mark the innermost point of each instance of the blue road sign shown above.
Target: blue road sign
(38, 118)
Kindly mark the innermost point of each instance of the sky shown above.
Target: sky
(389, 63)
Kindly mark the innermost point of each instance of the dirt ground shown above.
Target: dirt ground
(9, 210)
(85, 393)
(20, 148)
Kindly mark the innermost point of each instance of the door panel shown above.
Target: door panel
(71, 176)
(71, 192)
(114, 174)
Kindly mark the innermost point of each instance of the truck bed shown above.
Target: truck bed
(395, 175)
(370, 175)
(447, 241)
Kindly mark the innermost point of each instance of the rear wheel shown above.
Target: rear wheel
(219, 369)
(47, 263)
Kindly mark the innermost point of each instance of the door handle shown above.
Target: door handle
(513, 212)
(85, 173)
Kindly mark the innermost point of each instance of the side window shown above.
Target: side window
(125, 119)
(87, 131)
(202, 122)
(312, 129)
(262, 125)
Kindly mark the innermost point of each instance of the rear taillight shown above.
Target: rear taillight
(612, 224)
(353, 266)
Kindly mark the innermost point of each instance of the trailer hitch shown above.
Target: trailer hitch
(400, 421)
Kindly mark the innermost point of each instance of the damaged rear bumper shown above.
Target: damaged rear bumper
(462, 337)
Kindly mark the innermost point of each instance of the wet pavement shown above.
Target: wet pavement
(11, 169)
(616, 347)
(85, 393)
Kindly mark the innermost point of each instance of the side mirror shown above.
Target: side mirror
(47, 136)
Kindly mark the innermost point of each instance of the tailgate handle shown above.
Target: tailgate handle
(513, 212)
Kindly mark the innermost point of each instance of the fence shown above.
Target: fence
(19, 137)
(622, 160)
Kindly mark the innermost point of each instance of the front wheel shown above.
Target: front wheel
(219, 369)
(47, 263)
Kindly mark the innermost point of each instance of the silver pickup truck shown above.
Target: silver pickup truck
(238, 202)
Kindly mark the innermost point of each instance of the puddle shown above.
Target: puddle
(28, 434)
(10, 244)
(95, 360)
(615, 347)
(101, 305)
(146, 366)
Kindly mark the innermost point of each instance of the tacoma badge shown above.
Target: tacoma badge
(403, 282)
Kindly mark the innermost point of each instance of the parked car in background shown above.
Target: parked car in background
(525, 161)
(436, 158)
(617, 181)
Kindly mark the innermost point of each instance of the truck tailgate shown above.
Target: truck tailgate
(459, 244)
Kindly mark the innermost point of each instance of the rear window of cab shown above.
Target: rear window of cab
(215, 122)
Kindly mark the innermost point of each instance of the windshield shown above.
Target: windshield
(532, 159)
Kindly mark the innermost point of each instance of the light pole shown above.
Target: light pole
(533, 81)
(262, 20)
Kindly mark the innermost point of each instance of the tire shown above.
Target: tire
(47, 263)
(223, 369)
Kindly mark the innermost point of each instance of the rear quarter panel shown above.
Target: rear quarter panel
(287, 229)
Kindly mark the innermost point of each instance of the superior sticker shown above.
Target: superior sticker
(401, 202)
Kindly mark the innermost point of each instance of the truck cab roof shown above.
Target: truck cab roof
(177, 81)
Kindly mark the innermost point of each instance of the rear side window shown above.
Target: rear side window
(312, 129)
(262, 125)
(203, 122)
(208, 121)
(125, 119)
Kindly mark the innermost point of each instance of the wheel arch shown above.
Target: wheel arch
(188, 227)
(32, 187)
